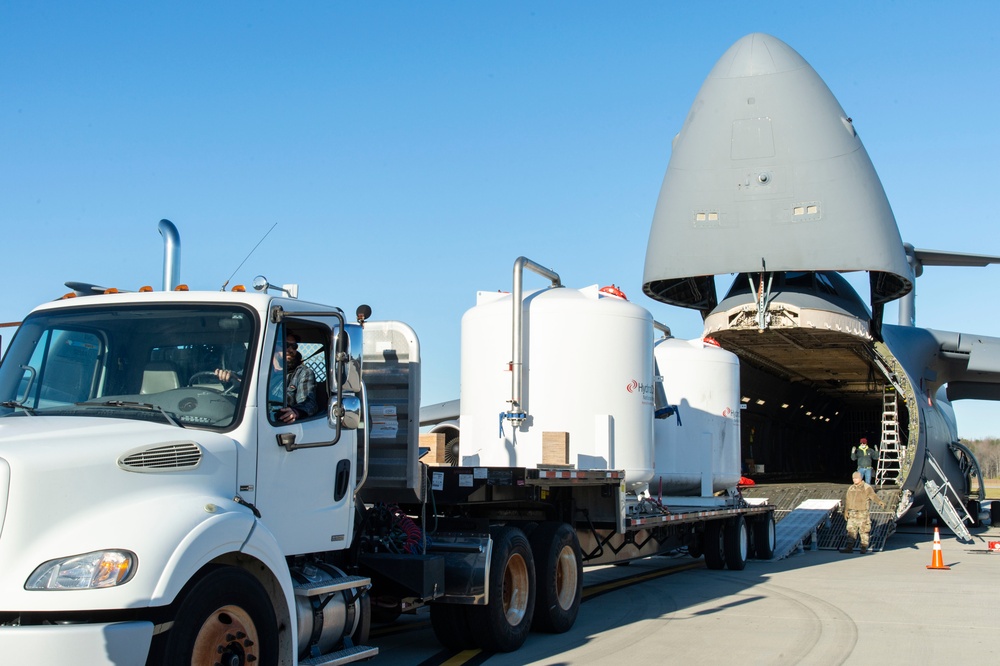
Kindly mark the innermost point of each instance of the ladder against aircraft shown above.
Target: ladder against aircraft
(891, 450)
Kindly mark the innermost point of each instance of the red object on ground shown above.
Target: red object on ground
(744, 481)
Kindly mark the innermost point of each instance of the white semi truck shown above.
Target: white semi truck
(152, 513)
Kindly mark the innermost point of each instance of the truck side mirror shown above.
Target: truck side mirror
(349, 412)
(347, 346)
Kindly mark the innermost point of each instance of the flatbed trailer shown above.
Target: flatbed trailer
(502, 550)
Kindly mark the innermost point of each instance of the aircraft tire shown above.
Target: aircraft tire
(736, 543)
(972, 506)
(558, 576)
(714, 548)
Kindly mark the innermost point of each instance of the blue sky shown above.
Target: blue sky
(409, 152)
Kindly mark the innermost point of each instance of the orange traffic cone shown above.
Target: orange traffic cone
(937, 559)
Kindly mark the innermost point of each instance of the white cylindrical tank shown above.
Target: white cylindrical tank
(701, 442)
(587, 372)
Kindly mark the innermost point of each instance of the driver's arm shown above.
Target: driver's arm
(228, 375)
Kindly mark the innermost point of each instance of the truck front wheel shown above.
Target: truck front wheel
(226, 618)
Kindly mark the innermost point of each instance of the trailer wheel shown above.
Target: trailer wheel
(503, 624)
(558, 576)
(764, 537)
(451, 626)
(713, 547)
(695, 546)
(225, 618)
(995, 513)
(736, 543)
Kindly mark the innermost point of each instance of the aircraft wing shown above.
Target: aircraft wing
(941, 258)
(970, 365)
(439, 412)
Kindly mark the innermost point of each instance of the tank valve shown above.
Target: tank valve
(515, 417)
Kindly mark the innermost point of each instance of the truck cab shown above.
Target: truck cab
(140, 493)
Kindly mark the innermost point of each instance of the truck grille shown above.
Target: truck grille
(166, 457)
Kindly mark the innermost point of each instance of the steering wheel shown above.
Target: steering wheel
(204, 373)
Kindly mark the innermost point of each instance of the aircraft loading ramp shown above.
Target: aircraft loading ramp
(808, 516)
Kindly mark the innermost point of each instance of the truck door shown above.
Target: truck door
(305, 495)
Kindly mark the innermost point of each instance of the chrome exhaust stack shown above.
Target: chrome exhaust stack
(171, 254)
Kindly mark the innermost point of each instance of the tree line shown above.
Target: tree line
(987, 452)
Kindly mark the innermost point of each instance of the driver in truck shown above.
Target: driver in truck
(299, 395)
(300, 385)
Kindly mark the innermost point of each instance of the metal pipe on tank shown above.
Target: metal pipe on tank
(516, 415)
(662, 328)
(171, 254)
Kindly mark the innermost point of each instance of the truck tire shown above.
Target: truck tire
(558, 576)
(503, 624)
(763, 537)
(736, 543)
(712, 543)
(361, 632)
(696, 546)
(226, 615)
(450, 623)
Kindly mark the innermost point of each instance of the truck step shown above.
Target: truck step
(345, 656)
(331, 585)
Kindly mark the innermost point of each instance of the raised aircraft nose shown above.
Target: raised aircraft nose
(768, 169)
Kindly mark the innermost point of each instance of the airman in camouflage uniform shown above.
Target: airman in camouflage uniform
(856, 513)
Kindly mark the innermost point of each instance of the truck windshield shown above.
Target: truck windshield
(162, 363)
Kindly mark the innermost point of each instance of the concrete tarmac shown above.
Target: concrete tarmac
(815, 607)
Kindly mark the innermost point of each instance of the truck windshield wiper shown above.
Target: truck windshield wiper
(144, 406)
(17, 405)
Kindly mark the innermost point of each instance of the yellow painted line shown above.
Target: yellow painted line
(461, 658)
(632, 580)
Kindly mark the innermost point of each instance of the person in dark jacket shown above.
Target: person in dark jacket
(866, 457)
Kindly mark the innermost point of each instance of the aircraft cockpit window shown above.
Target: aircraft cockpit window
(799, 279)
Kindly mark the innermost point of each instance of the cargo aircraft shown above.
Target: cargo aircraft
(768, 179)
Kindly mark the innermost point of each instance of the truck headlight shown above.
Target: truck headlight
(103, 568)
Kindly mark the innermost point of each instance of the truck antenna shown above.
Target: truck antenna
(226, 283)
